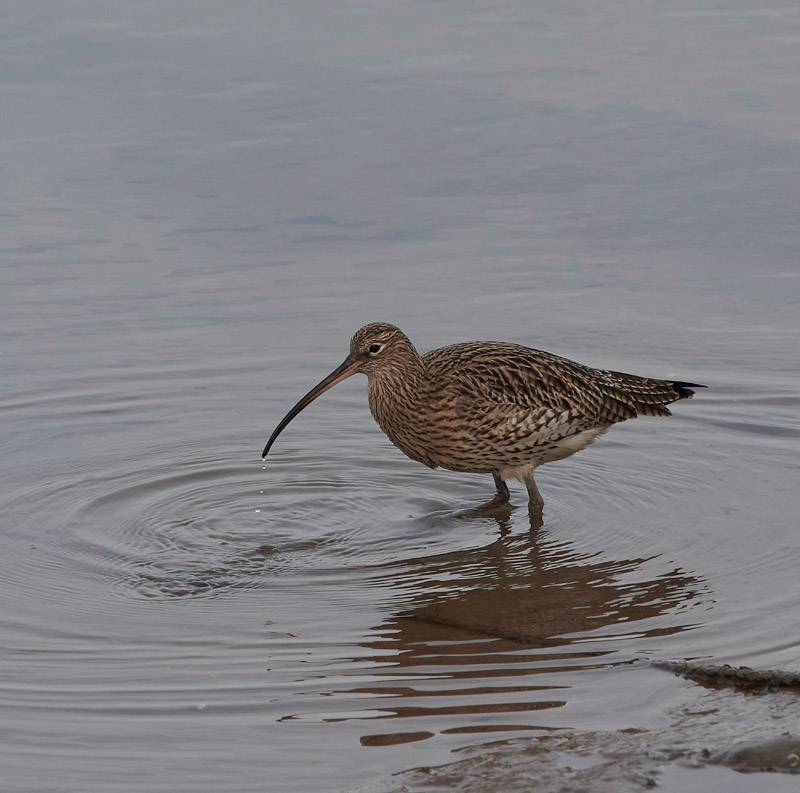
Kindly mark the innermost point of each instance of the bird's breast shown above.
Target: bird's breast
(405, 419)
(431, 427)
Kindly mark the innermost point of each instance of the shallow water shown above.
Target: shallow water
(198, 211)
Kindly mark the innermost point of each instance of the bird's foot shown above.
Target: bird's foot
(535, 515)
(499, 506)
(491, 509)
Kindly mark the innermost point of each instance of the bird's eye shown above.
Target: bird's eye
(373, 348)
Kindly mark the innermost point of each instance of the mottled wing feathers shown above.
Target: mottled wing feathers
(540, 384)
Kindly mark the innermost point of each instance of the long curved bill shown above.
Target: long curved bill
(348, 367)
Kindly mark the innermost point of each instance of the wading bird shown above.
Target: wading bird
(490, 407)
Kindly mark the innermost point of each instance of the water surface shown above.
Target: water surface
(201, 205)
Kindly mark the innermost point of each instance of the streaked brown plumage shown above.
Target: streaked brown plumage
(490, 407)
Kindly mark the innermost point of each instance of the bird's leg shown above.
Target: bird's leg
(534, 496)
(535, 502)
(500, 499)
(502, 496)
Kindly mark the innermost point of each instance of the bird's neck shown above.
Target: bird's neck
(396, 392)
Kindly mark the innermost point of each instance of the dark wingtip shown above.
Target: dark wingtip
(684, 390)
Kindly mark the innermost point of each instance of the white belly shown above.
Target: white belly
(558, 450)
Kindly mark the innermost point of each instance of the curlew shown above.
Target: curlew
(490, 407)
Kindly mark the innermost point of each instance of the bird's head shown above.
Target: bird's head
(378, 350)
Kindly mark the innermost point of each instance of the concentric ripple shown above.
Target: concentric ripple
(336, 585)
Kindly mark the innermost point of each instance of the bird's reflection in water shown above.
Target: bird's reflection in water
(488, 630)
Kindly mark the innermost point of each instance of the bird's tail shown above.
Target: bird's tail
(645, 396)
(684, 390)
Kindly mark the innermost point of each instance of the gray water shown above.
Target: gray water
(201, 202)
